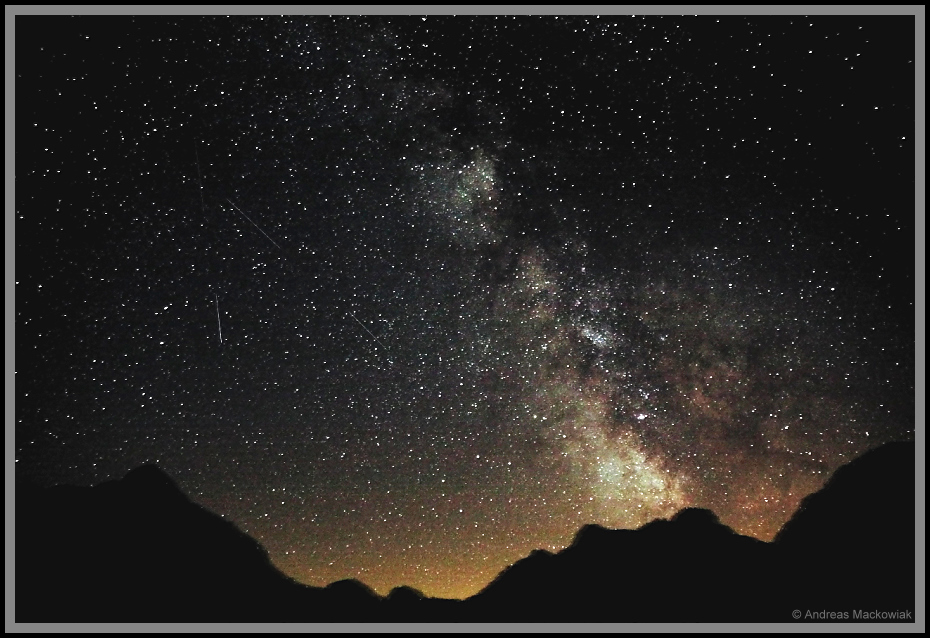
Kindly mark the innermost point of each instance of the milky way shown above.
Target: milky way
(480, 281)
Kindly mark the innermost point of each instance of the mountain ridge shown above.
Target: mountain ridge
(138, 549)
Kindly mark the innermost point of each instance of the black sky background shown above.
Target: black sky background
(437, 351)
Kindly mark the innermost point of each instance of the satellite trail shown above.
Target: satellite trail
(254, 224)
(365, 328)
(378, 341)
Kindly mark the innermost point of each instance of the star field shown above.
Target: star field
(406, 298)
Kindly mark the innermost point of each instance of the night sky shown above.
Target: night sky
(406, 298)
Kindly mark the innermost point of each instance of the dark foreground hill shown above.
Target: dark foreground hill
(850, 548)
(139, 550)
(853, 543)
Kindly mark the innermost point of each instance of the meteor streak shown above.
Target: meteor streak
(203, 206)
(218, 324)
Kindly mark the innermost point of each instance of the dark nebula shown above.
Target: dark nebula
(406, 298)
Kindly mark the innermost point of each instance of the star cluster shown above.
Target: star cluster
(406, 298)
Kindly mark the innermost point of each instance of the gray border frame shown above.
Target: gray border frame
(919, 11)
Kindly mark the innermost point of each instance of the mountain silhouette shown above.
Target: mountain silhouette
(852, 544)
(138, 550)
(689, 568)
(849, 547)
